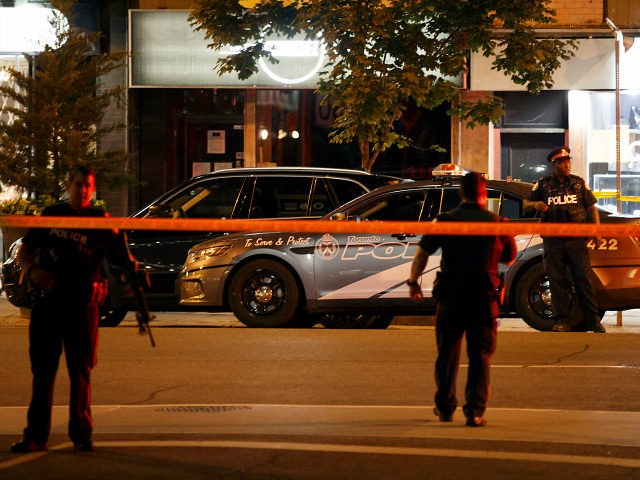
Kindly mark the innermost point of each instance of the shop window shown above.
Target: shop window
(548, 109)
(599, 108)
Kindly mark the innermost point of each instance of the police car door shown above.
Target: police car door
(363, 268)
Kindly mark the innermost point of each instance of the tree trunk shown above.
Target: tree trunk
(368, 158)
(364, 155)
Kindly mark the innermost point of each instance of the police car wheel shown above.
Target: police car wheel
(264, 294)
(347, 320)
(533, 300)
(112, 318)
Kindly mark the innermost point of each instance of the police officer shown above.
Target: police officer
(65, 265)
(467, 292)
(563, 197)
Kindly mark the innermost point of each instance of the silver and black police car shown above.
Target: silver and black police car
(276, 279)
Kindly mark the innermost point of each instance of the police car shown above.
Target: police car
(276, 279)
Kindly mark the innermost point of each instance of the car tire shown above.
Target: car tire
(112, 317)
(347, 320)
(533, 300)
(264, 294)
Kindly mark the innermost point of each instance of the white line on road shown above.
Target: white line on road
(355, 449)
(335, 416)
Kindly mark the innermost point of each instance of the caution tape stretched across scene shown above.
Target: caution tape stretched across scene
(322, 226)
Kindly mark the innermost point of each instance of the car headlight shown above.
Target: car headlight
(205, 253)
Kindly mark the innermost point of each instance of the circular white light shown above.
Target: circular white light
(281, 49)
(27, 28)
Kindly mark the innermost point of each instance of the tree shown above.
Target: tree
(58, 110)
(382, 53)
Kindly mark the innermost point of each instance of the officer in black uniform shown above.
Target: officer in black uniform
(65, 266)
(467, 290)
(563, 197)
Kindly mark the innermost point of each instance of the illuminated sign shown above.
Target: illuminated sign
(592, 68)
(26, 29)
(301, 51)
(166, 52)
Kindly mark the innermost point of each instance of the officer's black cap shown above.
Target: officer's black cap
(560, 152)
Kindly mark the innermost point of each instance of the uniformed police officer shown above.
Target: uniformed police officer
(65, 266)
(563, 197)
(467, 292)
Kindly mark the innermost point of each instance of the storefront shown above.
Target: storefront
(580, 111)
(188, 120)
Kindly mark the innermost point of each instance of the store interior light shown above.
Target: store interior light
(264, 134)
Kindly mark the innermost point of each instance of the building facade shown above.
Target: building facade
(182, 119)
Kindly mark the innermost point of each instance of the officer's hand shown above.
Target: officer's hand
(41, 278)
(415, 292)
(542, 207)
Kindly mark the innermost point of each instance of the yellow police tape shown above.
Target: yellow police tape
(623, 198)
(326, 226)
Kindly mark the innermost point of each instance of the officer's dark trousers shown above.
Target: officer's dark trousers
(476, 317)
(54, 326)
(570, 254)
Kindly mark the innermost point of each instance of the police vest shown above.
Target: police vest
(566, 199)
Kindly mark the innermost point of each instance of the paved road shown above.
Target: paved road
(237, 403)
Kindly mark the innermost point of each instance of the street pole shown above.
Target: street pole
(618, 39)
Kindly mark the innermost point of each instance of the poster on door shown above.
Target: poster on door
(216, 141)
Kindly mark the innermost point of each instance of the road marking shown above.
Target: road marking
(615, 367)
(519, 456)
(28, 457)
(383, 450)
(355, 449)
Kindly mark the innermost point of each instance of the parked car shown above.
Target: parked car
(274, 279)
(242, 193)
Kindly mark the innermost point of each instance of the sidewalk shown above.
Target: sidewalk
(627, 322)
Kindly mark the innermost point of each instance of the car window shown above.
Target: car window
(321, 202)
(507, 205)
(400, 206)
(431, 206)
(450, 198)
(280, 197)
(511, 207)
(345, 190)
(494, 200)
(212, 199)
(498, 202)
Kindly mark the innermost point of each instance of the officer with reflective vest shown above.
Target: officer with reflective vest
(563, 197)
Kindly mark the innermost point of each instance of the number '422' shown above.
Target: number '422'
(603, 244)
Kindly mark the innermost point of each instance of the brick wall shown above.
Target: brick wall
(578, 12)
(117, 201)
